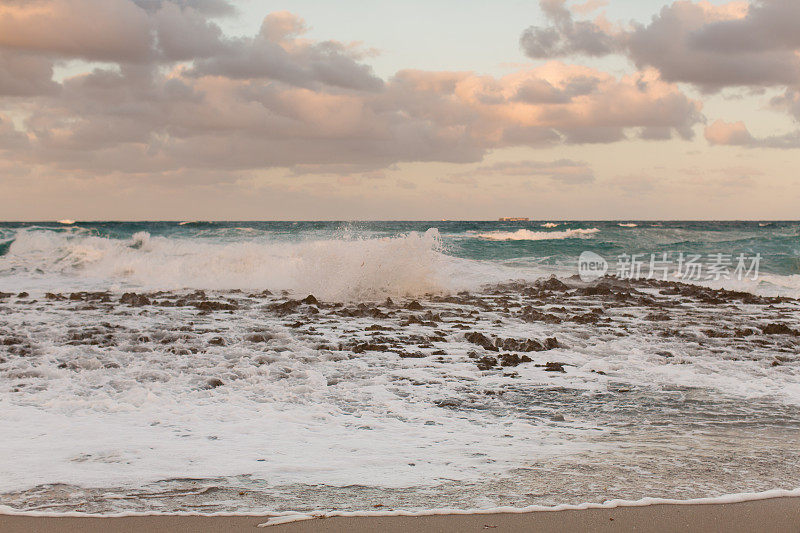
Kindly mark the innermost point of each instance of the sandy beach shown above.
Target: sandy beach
(770, 515)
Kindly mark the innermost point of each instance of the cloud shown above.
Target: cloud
(588, 6)
(711, 46)
(563, 170)
(720, 46)
(277, 53)
(722, 133)
(172, 94)
(565, 36)
(95, 30)
(25, 75)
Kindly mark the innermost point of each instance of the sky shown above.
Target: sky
(310, 110)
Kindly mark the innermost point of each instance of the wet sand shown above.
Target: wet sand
(770, 515)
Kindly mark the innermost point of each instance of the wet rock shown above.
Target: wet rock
(388, 302)
(209, 305)
(552, 284)
(481, 340)
(217, 341)
(213, 383)
(557, 418)
(779, 329)
(601, 289)
(512, 359)
(551, 343)
(586, 318)
(525, 345)
(23, 295)
(658, 317)
(486, 363)
(529, 314)
(134, 300)
(414, 306)
(309, 300)
(52, 296)
(553, 367)
(259, 337)
(285, 308)
(411, 355)
(369, 347)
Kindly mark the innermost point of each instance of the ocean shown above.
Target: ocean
(261, 367)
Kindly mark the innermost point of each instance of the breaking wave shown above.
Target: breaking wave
(411, 264)
(528, 235)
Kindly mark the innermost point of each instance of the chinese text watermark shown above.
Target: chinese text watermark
(672, 265)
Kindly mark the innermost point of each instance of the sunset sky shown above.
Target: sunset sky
(256, 109)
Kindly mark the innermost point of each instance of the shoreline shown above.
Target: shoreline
(772, 514)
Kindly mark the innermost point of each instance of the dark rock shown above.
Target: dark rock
(209, 305)
(481, 340)
(217, 341)
(411, 355)
(526, 345)
(213, 383)
(23, 295)
(587, 318)
(658, 317)
(309, 300)
(508, 359)
(388, 302)
(259, 337)
(486, 363)
(414, 306)
(779, 329)
(557, 418)
(552, 284)
(601, 289)
(369, 347)
(553, 367)
(51, 296)
(134, 300)
(529, 314)
(285, 308)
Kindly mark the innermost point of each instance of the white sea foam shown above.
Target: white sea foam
(349, 268)
(549, 225)
(528, 235)
(628, 225)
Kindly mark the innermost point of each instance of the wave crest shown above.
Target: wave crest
(528, 235)
(406, 265)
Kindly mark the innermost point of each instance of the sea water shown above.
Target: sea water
(356, 403)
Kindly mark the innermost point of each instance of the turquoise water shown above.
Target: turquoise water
(226, 400)
(249, 254)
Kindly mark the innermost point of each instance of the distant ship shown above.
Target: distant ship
(513, 219)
